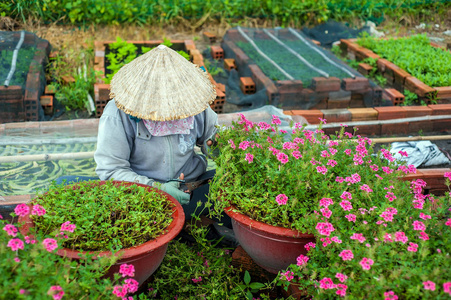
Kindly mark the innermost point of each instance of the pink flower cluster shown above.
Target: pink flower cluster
(327, 283)
(50, 244)
(11, 230)
(281, 199)
(127, 270)
(309, 246)
(346, 255)
(196, 280)
(288, 275)
(302, 260)
(366, 263)
(130, 285)
(67, 226)
(359, 237)
(325, 228)
(56, 292)
(325, 202)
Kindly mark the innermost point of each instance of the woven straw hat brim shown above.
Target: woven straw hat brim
(162, 85)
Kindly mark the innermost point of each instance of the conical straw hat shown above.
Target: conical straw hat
(162, 85)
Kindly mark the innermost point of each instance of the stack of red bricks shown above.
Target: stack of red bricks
(344, 116)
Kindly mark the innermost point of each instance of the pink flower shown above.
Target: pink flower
(336, 240)
(22, 291)
(429, 285)
(332, 162)
(326, 212)
(374, 168)
(390, 196)
(131, 285)
(346, 196)
(67, 226)
(22, 210)
(50, 244)
(387, 170)
(346, 205)
(424, 216)
(325, 202)
(281, 199)
(56, 292)
(11, 230)
(325, 228)
(348, 151)
(322, 120)
(244, 145)
(288, 275)
(418, 225)
(38, 210)
(447, 287)
(127, 270)
(120, 291)
(412, 247)
(196, 280)
(321, 169)
(275, 120)
(359, 237)
(448, 222)
(388, 238)
(249, 157)
(15, 244)
(309, 246)
(403, 153)
(326, 283)
(401, 237)
(341, 277)
(351, 217)
(282, 157)
(16, 259)
(366, 188)
(447, 175)
(423, 236)
(346, 255)
(232, 144)
(366, 263)
(390, 295)
(296, 154)
(302, 260)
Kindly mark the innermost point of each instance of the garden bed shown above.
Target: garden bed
(101, 63)
(20, 93)
(410, 66)
(295, 72)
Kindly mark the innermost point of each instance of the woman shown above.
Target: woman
(160, 111)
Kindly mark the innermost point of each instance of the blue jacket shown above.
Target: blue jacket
(126, 151)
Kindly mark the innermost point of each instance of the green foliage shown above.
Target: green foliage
(29, 273)
(213, 67)
(107, 216)
(123, 52)
(198, 271)
(285, 13)
(25, 56)
(410, 98)
(414, 54)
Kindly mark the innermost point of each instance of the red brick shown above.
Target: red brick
(103, 91)
(218, 104)
(364, 69)
(363, 114)
(337, 115)
(290, 86)
(363, 53)
(263, 82)
(11, 92)
(368, 130)
(399, 78)
(322, 84)
(68, 79)
(441, 125)
(312, 115)
(316, 42)
(443, 92)
(46, 100)
(395, 128)
(417, 111)
(358, 83)
(229, 64)
(396, 97)
(440, 109)
(420, 126)
(209, 37)
(390, 112)
(381, 65)
(416, 86)
(217, 52)
(247, 85)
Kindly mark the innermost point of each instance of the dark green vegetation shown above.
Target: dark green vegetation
(283, 12)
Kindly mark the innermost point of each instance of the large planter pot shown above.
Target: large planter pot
(272, 248)
(147, 257)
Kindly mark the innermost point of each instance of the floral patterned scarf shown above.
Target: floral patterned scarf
(163, 128)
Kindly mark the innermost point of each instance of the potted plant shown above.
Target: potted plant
(134, 221)
(29, 268)
(276, 181)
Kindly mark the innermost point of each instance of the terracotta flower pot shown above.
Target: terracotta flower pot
(272, 248)
(147, 257)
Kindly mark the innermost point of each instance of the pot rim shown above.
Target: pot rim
(171, 231)
(232, 212)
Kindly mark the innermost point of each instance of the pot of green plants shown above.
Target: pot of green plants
(145, 258)
(272, 248)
